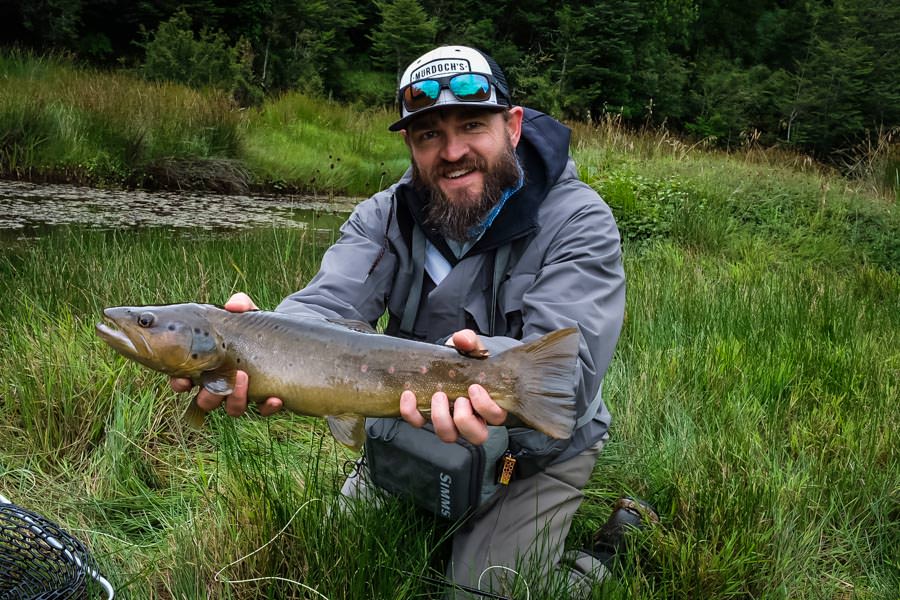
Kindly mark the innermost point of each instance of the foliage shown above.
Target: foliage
(405, 32)
(816, 74)
(174, 53)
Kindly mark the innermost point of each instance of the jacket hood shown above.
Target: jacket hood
(543, 152)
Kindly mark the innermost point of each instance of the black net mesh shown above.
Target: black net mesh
(38, 560)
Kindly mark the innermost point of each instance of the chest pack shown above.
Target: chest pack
(447, 479)
(452, 480)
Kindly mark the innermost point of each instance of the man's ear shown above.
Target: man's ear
(514, 124)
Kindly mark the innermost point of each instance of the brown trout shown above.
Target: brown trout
(341, 370)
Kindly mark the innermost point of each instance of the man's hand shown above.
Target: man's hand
(236, 402)
(470, 415)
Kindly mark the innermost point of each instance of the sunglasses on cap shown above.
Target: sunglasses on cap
(467, 87)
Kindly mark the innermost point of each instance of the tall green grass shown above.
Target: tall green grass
(62, 122)
(90, 126)
(754, 395)
(301, 143)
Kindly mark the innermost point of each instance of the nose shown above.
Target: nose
(454, 147)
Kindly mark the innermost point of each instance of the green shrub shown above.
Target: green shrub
(174, 53)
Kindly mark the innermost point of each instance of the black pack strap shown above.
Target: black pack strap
(501, 261)
(415, 293)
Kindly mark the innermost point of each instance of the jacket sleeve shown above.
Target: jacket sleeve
(580, 282)
(356, 271)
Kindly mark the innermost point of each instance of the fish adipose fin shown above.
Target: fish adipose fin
(349, 430)
(546, 398)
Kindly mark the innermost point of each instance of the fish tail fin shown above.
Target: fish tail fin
(546, 395)
(194, 415)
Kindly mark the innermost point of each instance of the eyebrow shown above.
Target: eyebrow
(429, 120)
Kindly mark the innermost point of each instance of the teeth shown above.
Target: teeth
(460, 173)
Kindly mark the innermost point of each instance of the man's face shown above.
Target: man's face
(465, 158)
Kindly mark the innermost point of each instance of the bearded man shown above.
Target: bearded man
(490, 240)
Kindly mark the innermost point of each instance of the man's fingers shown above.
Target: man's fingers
(240, 302)
(444, 427)
(484, 405)
(208, 401)
(409, 409)
(467, 342)
(270, 406)
(236, 402)
(468, 423)
(181, 384)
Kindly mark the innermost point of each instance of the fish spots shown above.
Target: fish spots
(197, 330)
(364, 368)
(423, 369)
(451, 373)
(481, 377)
(172, 327)
(392, 370)
(407, 385)
(223, 345)
(194, 356)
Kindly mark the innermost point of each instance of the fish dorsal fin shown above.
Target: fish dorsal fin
(354, 324)
(349, 430)
(220, 382)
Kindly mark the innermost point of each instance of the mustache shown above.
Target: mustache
(470, 163)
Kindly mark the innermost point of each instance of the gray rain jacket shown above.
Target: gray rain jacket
(564, 270)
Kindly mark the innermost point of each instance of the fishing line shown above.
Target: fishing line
(524, 581)
(274, 578)
(456, 586)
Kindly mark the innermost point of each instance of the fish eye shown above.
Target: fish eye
(146, 319)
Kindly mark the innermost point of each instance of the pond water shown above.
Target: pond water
(26, 209)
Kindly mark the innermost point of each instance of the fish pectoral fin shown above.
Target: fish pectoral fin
(349, 430)
(194, 415)
(220, 383)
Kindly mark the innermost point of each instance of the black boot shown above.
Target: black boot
(628, 513)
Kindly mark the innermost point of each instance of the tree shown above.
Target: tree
(848, 86)
(405, 32)
(174, 53)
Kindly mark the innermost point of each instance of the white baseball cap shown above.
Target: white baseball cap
(431, 82)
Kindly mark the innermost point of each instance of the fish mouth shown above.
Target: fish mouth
(120, 341)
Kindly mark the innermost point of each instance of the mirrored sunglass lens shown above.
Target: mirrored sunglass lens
(471, 87)
(421, 94)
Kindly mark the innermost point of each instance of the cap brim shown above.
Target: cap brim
(405, 121)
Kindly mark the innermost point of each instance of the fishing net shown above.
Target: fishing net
(40, 561)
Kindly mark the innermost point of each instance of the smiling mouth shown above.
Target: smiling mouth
(458, 173)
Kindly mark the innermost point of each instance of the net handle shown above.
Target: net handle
(107, 587)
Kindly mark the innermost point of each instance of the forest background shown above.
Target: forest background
(815, 75)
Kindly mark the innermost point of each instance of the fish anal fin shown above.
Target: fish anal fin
(349, 430)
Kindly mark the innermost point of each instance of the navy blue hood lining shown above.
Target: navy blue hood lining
(543, 152)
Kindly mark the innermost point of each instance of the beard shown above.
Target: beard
(457, 216)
